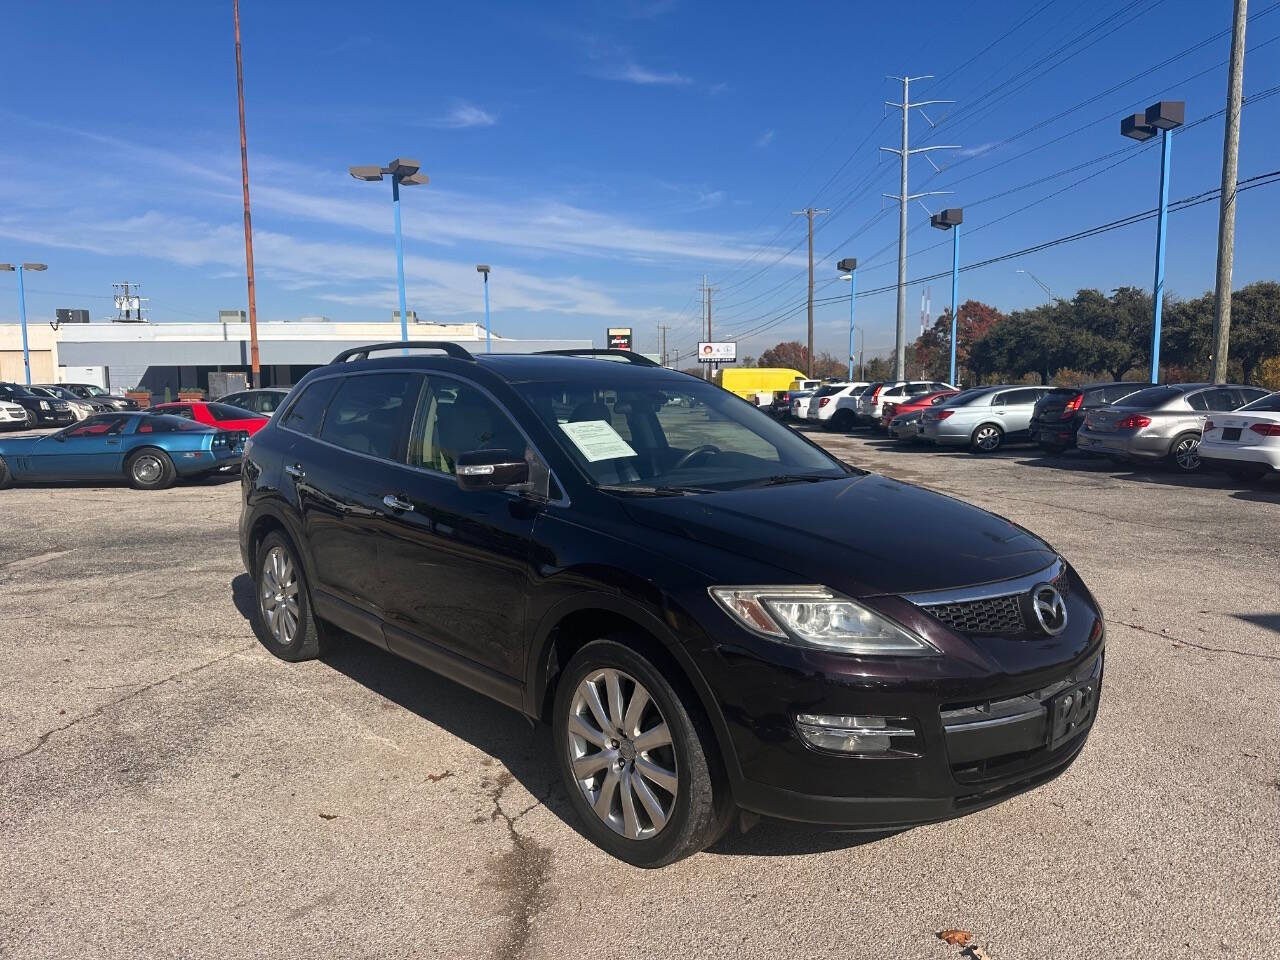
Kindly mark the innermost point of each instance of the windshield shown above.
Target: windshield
(1267, 404)
(965, 397)
(94, 391)
(1151, 397)
(633, 434)
(17, 390)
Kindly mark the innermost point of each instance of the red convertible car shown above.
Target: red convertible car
(220, 415)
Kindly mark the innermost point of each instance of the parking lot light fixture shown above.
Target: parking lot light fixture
(951, 219)
(404, 171)
(488, 336)
(20, 269)
(849, 271)
(1161, 118)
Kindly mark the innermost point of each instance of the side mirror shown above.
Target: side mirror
(491, 469)
(59, 437)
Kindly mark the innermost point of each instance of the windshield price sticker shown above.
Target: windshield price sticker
(597, 440)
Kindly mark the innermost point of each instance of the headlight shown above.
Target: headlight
(44, 405)
(813, 616)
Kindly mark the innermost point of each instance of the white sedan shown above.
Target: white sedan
(1244, 442)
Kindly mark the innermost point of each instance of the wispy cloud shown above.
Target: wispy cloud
(465, 115)
(979, 149)
(631, 72)
(766, 138)
(718, 88)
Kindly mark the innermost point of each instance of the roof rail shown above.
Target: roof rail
(362, 353)
(630, 356)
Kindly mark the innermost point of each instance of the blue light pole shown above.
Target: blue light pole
(1162, 118)
(22, 308)
(849, 270)
(488, 334)
(951, 220)
(401, 171)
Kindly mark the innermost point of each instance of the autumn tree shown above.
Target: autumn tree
(789, 353)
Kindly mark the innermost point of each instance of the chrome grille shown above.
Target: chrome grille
(990, 611)
(993, 615)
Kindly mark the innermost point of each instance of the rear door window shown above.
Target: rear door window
(1151, 397)
(306, 413)
(370, 414)
(1222, 398)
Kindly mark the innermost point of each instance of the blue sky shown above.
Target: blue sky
(604, 156)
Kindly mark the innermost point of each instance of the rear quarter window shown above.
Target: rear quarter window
(1151, 397)
(1268, 404)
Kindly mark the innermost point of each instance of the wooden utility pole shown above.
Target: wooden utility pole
(810, 213)
(706, 292)
(254, 366)
(1227, 201)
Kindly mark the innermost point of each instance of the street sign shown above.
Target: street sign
(723, 352)
(618, 338)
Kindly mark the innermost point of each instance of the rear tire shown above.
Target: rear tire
(282, 617)
(643, 820)
(1184, 453)
(986, 439)
(841, 420)
(150, 469)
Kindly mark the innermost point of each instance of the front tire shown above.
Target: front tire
(1184, 453)
(283, 619)
(636, 763)
(150, 469)
(986, 439)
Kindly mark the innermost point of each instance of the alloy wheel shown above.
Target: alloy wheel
(278, 595)
(621, 754)
(147, 468)
(1186, 454)
(988, 438)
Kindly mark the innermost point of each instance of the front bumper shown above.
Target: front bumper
(53, 417)
(960, 759)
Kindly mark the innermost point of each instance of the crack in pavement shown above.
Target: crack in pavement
(521, 873)
(1192, 643)
(44, 737)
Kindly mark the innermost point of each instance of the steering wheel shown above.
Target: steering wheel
(705, 448)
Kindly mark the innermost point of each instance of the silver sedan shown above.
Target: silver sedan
(984, 418)
(1161, 423)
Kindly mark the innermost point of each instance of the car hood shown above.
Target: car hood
(863, 535)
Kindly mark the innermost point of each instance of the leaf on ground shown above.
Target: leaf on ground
(328, 816)
(957, 938)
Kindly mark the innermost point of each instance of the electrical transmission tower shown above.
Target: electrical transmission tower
(904, 198)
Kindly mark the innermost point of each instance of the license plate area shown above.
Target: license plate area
(1071, 712)
(1230, 433)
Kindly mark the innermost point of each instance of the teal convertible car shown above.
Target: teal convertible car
(149, 451)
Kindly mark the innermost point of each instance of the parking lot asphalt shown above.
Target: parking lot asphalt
(167, 788)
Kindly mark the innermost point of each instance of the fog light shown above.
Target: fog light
(866, 736)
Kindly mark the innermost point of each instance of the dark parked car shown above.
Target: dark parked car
(693, 596)
(265, 400)
(91, 391)
(1061, 411)
(150, 452)
(42, 411)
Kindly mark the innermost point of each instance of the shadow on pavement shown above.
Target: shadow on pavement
(508, 737)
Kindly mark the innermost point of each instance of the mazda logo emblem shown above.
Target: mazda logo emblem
(1049, 608)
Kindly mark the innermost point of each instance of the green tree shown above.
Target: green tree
(1255, 326)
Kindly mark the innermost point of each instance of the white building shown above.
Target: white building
(176, 355)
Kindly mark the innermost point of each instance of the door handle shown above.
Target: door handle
(395, 503)
(295, 470)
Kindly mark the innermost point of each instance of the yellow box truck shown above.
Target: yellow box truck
(754, 383)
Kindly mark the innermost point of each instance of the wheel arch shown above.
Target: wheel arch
(578, 620)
